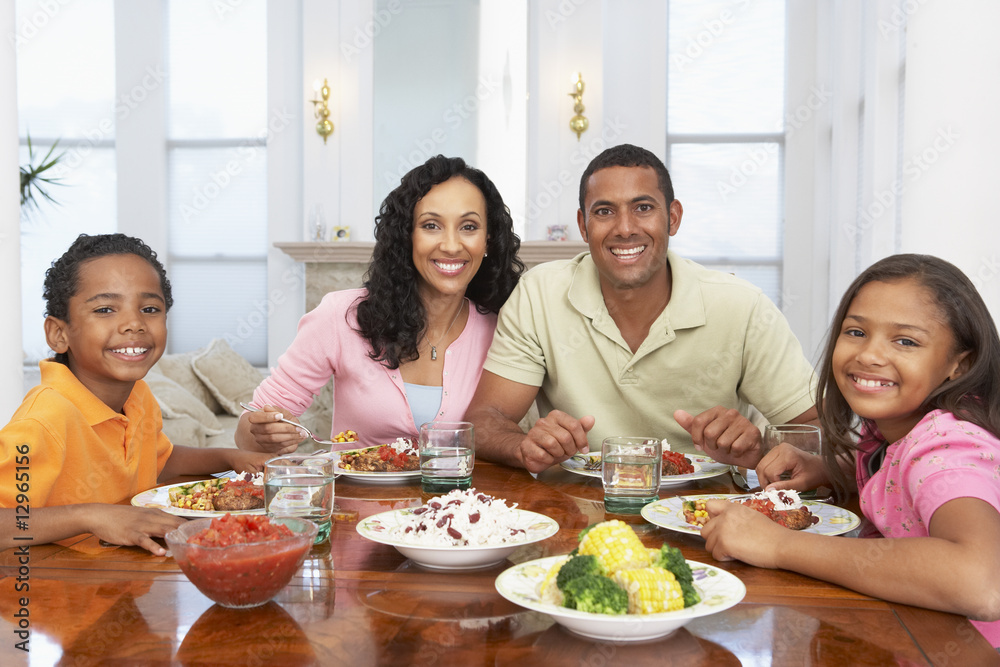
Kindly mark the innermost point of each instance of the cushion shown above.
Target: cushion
(185, 430)
(177, 367)
(229, 377)
(175, 401)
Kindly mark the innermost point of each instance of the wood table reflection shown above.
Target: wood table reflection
(360, 603)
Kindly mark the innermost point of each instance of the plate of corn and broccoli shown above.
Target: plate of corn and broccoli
(612, 587)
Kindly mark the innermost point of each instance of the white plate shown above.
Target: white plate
(537, 527)
(704, 468)
(669, 513)
(719, 591)
(159, 498)
(373, 477)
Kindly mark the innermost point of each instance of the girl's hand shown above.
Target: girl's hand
(806, 471)
(243, 461)
(736, 532)
(131, 526)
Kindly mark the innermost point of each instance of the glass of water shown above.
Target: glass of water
(447, 455)
(804, 437)
(630, 468)
(301, 485)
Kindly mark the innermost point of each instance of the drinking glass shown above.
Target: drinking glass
(630, 469)
(804, 437)
(301, 485)
(447, 456)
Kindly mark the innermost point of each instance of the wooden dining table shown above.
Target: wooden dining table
(356, 602)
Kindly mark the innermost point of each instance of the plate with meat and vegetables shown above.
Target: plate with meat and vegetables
(243, 494)
(385, 464)
(677, 468)
(687, 514)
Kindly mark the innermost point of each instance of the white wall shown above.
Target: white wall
(952, 138)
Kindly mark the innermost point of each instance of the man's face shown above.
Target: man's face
(628, 222)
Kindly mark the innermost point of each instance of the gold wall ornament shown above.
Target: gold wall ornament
(579, 122)
(321, 108)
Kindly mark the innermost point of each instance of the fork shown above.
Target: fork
(588, 464)
(328, 443)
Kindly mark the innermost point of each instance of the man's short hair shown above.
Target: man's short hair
(627, 155)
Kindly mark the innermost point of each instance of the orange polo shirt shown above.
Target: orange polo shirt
(77, 449)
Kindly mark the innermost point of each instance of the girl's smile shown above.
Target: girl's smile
(894, 348)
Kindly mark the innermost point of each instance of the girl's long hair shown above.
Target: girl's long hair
(973, 396)
(392, 318)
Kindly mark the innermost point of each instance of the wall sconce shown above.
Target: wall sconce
(579, 122)
(321, 109)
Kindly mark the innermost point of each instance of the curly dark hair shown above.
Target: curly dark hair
(392, 317)
(627, 155)
(62, 278)
(973, 396)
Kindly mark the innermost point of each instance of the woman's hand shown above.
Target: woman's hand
(736, 532)
(131, 526)
(263, 432)
(806, 471)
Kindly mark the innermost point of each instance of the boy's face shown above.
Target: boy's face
(117, 326)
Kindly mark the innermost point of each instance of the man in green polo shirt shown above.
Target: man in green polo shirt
(632, 339)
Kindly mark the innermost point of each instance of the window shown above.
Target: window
(215, 133)
(725, 134)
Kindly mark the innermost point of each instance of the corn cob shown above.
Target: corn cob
(616, 545)
(547, 590)
(650, 590)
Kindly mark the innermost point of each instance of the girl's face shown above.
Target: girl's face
(893, 349)
(449, 237)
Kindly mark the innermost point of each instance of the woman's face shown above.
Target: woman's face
(449, 237)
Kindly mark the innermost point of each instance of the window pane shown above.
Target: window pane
(218, 201)
(727, 66)
(86, 205)
(238, 309)
(732, 199)
(768, 278)
(218, 65)
(65, 68)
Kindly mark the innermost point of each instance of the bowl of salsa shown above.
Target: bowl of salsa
(241, 561)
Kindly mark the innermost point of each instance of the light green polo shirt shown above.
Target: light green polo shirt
(719, 341)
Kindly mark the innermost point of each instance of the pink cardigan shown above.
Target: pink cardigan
(368, 397)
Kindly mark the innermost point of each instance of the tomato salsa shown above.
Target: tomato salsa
(242, 560)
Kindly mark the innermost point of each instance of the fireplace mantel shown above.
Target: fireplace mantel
(332, 266)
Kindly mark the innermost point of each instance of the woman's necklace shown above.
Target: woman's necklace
(434, 350)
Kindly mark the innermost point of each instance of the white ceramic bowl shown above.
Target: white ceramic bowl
(719, 591)
(537, 527)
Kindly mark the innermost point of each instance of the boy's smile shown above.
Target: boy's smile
(117, 326)
(893, 350)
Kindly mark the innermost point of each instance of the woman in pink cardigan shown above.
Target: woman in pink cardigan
(409, 346)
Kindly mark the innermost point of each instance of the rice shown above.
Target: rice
(460, 518)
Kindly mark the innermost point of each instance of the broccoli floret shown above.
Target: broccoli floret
(671, 558)
(577, 566)
(579, 537)
(595, 594)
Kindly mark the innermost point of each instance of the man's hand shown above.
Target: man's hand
(806, 471)
(263, 432)
(724, 434)
(554, 438)
(132, 526)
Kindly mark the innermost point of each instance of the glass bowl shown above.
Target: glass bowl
(241, 575)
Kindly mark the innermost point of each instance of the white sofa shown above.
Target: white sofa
(199, 394)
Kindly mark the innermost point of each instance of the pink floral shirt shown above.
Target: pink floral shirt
(941, 459)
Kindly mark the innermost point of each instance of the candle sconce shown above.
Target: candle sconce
(579, 122)
(321, 109)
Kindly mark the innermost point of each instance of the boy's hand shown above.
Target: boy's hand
(132, 526)
(241, 460)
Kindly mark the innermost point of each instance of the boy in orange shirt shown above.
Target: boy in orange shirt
(90, 435)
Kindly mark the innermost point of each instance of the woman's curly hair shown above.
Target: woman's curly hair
(63, 277)
(392, 318)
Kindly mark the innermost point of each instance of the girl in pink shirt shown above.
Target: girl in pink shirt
(910, 408)
(408, 347)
